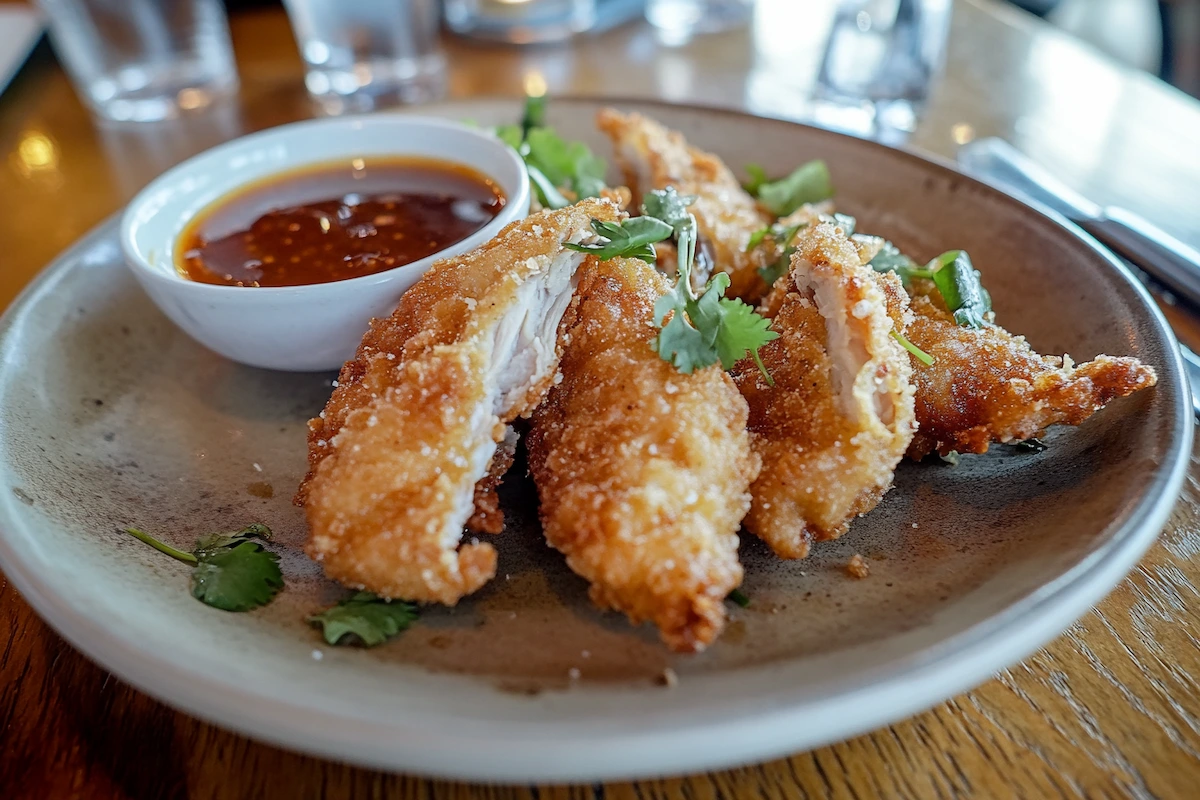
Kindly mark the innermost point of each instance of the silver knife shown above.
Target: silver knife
(1147, 247)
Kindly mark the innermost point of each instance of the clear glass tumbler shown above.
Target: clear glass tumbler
(521, 21)
(367, 54)
(680, 20)
(879, 62)
(144, 60)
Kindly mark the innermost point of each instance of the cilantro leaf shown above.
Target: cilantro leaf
(534, 115)
(739, 597)
(237, 578)
(230, 571)
(553, 163)
(216, 541)
(782, 237)
(956, 279)
(707, 328)
(511, 135)
(847, 223)
(890, 259)
(548, 194)
(959, 283)
(757, 237)
(630, 238)
(758, 176)
(569, 164)
(364, 618)
(671, 207)
(809, 183)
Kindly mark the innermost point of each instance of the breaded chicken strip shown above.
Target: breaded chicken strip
(840, 415)
(653, 157)
(642, 471)
(416, 416)
(987, 385)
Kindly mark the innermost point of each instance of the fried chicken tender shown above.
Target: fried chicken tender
(414, 422)
(653, 157)
(840, 415)
(988, 385)
(643, 472)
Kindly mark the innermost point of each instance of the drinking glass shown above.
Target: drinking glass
(879, 61)
(368, 54)
(680, 20)
(521, 21)
(144, 59)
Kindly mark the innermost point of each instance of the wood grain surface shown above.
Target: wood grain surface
(1110, 709)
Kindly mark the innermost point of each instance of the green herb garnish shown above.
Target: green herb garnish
(739, 597)
(958, 281)
(630, 238)
(534, 114)
(758, 176)
(553, 163)
(783, 237)
(917, 352)
(230, 571)
(707, 328)
(809, 183)
(366, 618)
(890, 259)
(1030, 446)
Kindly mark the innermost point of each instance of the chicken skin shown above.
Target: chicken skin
(987, 385)
(654, 157)
(414, 422)
(840, 415)
(643, 472)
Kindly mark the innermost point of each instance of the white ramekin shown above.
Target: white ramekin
(298, 328)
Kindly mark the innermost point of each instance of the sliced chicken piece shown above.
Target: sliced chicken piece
(987, 385)
(414, 422)
(840, 415)
(643, 472)
(654, 157)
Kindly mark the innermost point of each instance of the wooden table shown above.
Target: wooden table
(1112, 708)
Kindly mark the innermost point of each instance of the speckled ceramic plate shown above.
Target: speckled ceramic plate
(109, 416)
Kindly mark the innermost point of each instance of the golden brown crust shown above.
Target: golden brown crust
(488, 516)
(654, 157)
(840, 415)
(642, 471)
(413, 422)
(990, 386)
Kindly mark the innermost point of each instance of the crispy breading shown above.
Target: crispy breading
(488, 516)
(413, 423)
(643, 472)
(840, 415)
(988, 385)
(654, 157)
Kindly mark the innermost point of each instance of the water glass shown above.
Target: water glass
(369, 54)
(521, 21)
(144, 59)
(680, 20)
(879, 62)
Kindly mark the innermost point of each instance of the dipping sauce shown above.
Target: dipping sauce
(331, 222)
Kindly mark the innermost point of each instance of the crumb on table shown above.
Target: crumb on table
(858, 567)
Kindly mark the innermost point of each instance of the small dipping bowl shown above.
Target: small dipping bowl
(311, 327)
